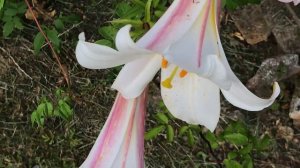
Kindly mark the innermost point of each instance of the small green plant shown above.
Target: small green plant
(241, 144)
(52, 33)
(163, 120)
(236, 140)
(11, 17)
(46, 109)
(141, 14)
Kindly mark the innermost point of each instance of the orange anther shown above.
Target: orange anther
(164, 63)
(183, 73)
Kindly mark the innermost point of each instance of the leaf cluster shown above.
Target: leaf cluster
(141, 14)
(52, 33)
(46, 109)
(11, 16)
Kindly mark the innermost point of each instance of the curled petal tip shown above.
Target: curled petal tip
(81, 36)
(276, 90)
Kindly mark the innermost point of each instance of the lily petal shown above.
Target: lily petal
(133, 149)
(177, 20)
(238, 95)
(241, 97)
(200, 42)
(135, 76)
(94, 56)
(193, 99)
(125, 44)
(123, 127)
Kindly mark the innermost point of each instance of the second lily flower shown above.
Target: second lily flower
(185, 44)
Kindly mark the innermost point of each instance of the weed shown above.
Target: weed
(60, 108)
(11, 16)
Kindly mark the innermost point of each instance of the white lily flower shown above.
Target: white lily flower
(121, 141)
(194, 65)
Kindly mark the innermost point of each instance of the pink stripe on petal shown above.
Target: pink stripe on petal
(141, 130)
(113, 145)
(181, 8)
(202, 31)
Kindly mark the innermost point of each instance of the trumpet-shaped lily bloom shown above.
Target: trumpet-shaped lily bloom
(185, 45)
(296, 2)
(121, 141)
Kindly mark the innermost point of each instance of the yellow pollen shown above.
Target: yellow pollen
(167, 83)
(183, 73)
(164, 63)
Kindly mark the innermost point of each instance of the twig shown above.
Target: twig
(63, 71)
(19, 67)
(67, 31)
(16, 63)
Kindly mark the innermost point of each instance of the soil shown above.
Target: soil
(25, 78)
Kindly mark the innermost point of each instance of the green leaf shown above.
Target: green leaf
(65, 110)
(49, 108)
(122, 9)
(41, 109)
(158, 13)
(33, 117)
(170, 133)
(104, 42)
(247, 149)
(183, 130)
(17, 22)
(108, 32)
(233, 4)
(8, 28)
(1, 4)
(212, 139)
(236, 127)
(263, 144)
(70, 19)
(38, 42)
(232, 164)
(162, 118)
(59, 24)
(196, 128)
(191, 139)
(248, 163)
(154, 132)
(232, 155)
(7, 18)
(236, 138)
(53, 37)
(21, 7)
(155, 3)
(11, 12)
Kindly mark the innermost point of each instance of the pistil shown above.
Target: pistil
(167, 83)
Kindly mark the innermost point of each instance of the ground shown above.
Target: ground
(25, 78)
